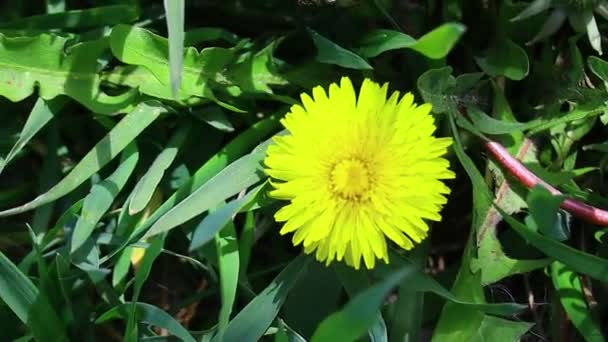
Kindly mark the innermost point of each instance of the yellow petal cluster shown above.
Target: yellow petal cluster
(357, 170)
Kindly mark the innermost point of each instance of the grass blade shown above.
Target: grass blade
(251, 323)
(125, 131)
(174, 10)
(142, 193)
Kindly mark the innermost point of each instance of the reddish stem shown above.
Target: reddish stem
(582, 210)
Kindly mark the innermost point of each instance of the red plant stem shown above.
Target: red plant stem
(582, 210)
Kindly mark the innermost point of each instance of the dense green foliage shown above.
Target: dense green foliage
(134, 205)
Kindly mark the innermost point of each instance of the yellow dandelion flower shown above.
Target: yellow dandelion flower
(356, 171)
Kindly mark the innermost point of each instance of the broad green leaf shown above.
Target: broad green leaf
(217, 219)
(40, 115)
(137, 46)
(27, 303)
(599, 67)
(440, 41)
(378, 41)
(255, 71)
(570, 291)
(444, 91)
(505, 58)
(331, 53)
(500, 329)
(578, 261)
(174, 12)
(148, 314)
(237, 176)
(227, 248)
(45, 62)
(90, 17)
(105, 150)
(544, 214)
(251, 322)
(101, 197)
(147, 184)
(205, 34)
(487, 124)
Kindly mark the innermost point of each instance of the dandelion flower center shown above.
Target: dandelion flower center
(350, 179)
(358, 171)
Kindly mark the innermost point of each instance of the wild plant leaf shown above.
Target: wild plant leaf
(81, 18)
(45, 62)
(505, 58)
(440, 41)
(434, 44)
(329, 52)
(255, 71)
(101, 197)
(103, 152)
(137, 46)
(581, 262)
(500, 329)
(570, 291)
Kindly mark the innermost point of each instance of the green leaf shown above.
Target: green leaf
(219, 218)
(90, 17)
(28, 304)
(137, 46)
(255, 71)
(500, 329)
(148, 314)
(227, 249)
(251, 323)
(147, 184)
(101, 197)
(544, 208)
(440, 41)
(444, 91)
(487, 124)
(599, 67)
(235, 177)
(378, 41)
(174, 11)
(105, 150)
(578, 261)
(331, 53)
(47, 63)
(40, 115)
(570, 291)
(505, 58)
